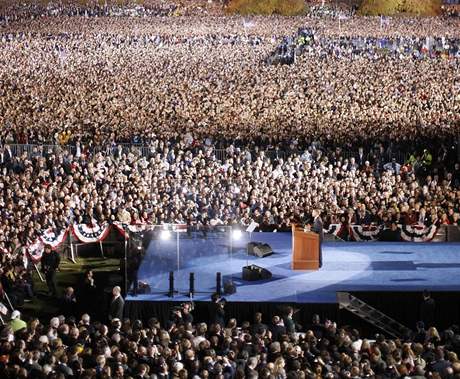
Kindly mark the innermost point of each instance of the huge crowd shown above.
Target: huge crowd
(272, 347)
(119, 79)
(409, 47)
(219, 137)
(184, 87)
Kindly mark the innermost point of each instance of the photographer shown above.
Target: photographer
(218, 309)
(182, 315)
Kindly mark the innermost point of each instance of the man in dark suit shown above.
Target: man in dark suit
(50, 263)
(428, 309)
(318, 228)
(69, 302)
(133, 268)
(218, 309)
(289, 322)
(258, 327)
(277, 328)
(116, 305)
(361, 158)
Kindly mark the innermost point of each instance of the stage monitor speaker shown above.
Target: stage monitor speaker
(259, 249)
(253, 272)
(229, 287)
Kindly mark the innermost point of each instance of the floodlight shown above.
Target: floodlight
(236, 234)
(165, 235)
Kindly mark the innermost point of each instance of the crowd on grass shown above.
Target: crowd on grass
(405, 47)
(367, 141)
(226, 139)
(165, 77)
(15, 11)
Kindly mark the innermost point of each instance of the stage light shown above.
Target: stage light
(236, 234)
(219, 283)
(171, 281)
(165, 235)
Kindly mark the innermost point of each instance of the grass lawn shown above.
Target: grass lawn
(70, 274)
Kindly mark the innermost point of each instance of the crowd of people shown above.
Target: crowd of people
(12, 11)
(15, 11)
(306, 42)
(225, 138)
(179, 120)
(270, 346)
(166, 77)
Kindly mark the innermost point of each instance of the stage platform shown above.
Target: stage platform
(390, 276)
(347, 266)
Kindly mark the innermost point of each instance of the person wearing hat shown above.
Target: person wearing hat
(50, 263)
(15, 322)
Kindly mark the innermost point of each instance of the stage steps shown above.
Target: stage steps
(371, 315)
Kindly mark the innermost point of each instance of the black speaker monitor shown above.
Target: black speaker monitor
(229, 287)
(259, 249)
(253, 272)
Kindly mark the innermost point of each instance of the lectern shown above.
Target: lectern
(305, 249)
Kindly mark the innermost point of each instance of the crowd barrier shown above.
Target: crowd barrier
(146, 150)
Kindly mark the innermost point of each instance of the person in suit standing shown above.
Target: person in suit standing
(69, 302)
(277, 328)
(116, 305)
(288, 321)
(218, 309)
(50, 263)
(428, 309)
(318, 228)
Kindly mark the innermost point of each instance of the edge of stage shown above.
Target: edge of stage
(402, 306)
(388, 276)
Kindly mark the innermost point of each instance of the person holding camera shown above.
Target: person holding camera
(218, 309)
(182, 315)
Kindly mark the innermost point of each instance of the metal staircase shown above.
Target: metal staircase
(371, 315)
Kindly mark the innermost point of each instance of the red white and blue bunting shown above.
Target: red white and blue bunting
(93, 233)
(49, 237)
(36, 250)
(415, 233)
(418, 233)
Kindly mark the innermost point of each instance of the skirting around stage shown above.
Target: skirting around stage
(349, 267)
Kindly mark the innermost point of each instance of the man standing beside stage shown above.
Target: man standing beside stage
(50, 263)
(318, 228)
(116, 305)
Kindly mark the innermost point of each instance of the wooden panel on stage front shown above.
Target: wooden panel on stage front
(305, 250)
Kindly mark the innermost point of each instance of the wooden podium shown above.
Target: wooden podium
(305, 249)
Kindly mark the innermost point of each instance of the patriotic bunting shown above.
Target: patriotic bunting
(91, 233)
(36, 250)
(49, 237)
(96, 233)
(409, 233)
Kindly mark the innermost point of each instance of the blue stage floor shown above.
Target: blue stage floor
(350, 267)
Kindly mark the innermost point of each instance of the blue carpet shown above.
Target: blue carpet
(347, 266)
